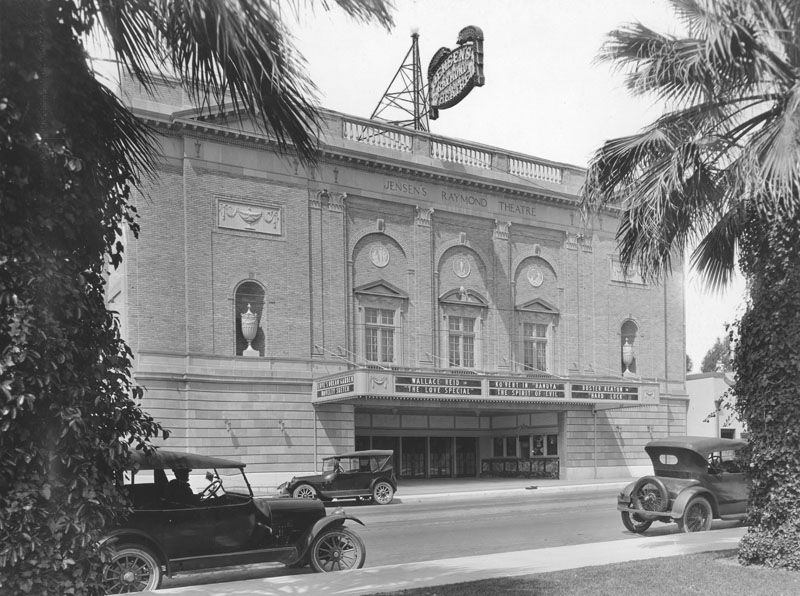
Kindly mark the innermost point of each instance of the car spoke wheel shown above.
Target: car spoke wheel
(337, 549)
(697, 516)
(635, 523)
(131, 569)
(382, 493)
(304, 491)
(650, 494)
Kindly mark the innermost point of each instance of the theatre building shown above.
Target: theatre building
(440, 298)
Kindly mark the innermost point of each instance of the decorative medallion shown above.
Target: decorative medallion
(379, 255)
(535, 276)
(461, 266)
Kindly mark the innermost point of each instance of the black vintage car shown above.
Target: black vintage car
(356, 475)
(174, 529)
(695, 479)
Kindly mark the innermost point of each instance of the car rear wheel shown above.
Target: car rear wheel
(304, 491)
(382, 493)
(634, 523)
(650, 494)
(697, 516)
(337, 549)
(132, 568)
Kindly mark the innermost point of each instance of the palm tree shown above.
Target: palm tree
(70, 153)
(720, 168)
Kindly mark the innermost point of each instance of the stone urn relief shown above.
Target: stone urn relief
(249, 331)
(627, 358)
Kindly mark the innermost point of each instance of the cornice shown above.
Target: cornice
(370, 162)
(360, 160)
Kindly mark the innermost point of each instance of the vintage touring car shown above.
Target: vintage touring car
(222, 524)
(355, 475)
(695, 480)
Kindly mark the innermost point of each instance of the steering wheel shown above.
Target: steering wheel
(211, 490)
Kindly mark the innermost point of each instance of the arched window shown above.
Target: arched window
(249, 301)
(627, 347)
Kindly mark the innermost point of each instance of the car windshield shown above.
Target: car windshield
(233, 481)
(726, 461)
(329, 465)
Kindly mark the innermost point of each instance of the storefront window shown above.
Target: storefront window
(552, 444)
(498, 447)
(441, 457)
(511, 446)
(544, 445)
(525, 447)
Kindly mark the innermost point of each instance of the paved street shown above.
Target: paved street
(440, 529)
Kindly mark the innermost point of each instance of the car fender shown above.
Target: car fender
(319, 487)
(627, 491)
(336, 519)
(377, 480)
(134, 536)
(686, 495)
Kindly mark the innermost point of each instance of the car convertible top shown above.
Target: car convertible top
(178, 460)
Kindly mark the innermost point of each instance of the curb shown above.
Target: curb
(577, 488)
(473, 494)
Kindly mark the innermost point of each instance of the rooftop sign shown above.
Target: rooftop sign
(453, 73)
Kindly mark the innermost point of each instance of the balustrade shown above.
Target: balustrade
(377, 136)
(390, 137)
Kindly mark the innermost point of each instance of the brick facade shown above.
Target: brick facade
(377, 226)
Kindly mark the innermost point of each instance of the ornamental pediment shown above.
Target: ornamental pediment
(463, 296)
(538, 305)
(382, 289)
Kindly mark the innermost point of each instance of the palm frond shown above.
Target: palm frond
(715, 255)
(670, 68)
(235, 52)
(362, 10)
(368, 10)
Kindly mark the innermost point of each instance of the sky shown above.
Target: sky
(545, 93)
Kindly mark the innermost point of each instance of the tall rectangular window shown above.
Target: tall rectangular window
(461, 341)
(379, 334)
(535, 352)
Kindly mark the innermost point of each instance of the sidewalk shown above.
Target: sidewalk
(405, 576)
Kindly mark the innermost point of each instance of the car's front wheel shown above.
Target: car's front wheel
(697, 516)
(304, 491)
(634, 523)
(132, 568)
(337, 549)
(382, 493)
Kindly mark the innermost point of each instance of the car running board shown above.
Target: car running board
(267, 555)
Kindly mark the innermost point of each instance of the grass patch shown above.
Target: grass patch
(710, 574)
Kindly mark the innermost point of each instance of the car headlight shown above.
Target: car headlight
(283, 486)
